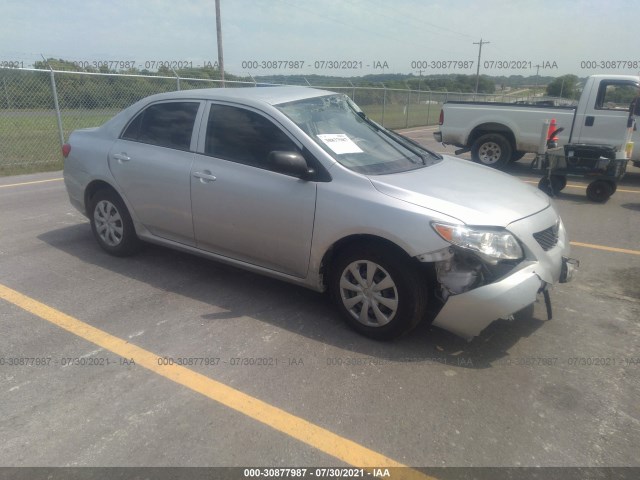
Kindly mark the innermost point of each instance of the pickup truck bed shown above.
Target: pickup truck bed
(497, 133)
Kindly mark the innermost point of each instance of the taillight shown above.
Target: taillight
(441, 120)
(66, 148)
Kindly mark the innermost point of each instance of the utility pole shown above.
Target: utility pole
(219, 32)
(535, 86)
(480, 43)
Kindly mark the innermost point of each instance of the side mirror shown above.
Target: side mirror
(636, 106)
(289, 163)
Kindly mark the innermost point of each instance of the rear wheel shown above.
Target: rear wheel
(380, 293)
(492, 150)
(112, 225)
(599, 191)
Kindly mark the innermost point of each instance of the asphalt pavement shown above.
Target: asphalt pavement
(265, 363)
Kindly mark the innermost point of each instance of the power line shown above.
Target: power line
(417, 22)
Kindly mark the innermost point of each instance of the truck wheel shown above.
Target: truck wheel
(492, 150)
(599, 191)
(380, 293)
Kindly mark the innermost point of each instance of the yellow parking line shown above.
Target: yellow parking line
(608, 249)
(313, 435)
(576, 185)
(31, 183)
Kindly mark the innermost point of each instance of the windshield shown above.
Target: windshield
(337, 125)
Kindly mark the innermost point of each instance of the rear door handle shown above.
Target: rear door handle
(588, 121)
(205, 177)
(121, 157)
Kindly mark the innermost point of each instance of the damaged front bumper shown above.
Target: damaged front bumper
(466, 313)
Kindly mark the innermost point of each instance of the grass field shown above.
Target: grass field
(30, 142)
(399, 116)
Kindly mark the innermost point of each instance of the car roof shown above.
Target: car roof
(269, 95)
(248, 96)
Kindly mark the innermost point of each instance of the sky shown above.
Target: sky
(330, 37)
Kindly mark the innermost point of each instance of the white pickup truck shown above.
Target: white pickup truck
(497, 133)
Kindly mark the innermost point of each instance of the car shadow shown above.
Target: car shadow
(236, 293)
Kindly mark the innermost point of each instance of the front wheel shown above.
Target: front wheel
(492, 150)
(379, 292)
(112, 225)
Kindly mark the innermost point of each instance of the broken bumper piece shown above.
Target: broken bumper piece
(467, 314)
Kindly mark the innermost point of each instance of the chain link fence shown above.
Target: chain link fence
(40, 108)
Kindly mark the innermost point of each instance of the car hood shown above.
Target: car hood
(472, 193)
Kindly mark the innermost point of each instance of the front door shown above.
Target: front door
(241, 209)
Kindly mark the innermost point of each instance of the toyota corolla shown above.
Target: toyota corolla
(299, 184)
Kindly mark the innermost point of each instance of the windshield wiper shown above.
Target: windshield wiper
(406, 142)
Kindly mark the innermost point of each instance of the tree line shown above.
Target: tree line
(26, 89)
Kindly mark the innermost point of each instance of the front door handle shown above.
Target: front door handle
(588, 121)
(205, 177)
(121, 157)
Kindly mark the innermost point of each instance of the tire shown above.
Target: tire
(356, 278)
(599, 191)
(545, 185)
(558, 182)
(492, 150)
(112, 225)
(517, 155)
(552, 186)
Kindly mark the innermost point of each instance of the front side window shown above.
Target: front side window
(164, 124)
(243, 136)
(616, 95)
(338, 126)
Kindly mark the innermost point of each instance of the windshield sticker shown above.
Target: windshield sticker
(339, 143)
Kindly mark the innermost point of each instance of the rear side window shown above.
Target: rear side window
(244, 136)
(164, 124)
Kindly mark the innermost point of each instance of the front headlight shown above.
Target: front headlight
(494, 245)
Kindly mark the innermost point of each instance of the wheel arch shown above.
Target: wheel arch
(350, 241)
(93, 187)
(492, 127)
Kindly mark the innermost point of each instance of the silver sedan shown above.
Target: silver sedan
(301, 185)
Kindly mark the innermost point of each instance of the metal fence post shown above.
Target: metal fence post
(429, 108)
(177, 78)
(6, 92)
(384, 103)
(57, 106)
(406, 110)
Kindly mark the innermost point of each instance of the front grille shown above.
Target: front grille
(547, 238)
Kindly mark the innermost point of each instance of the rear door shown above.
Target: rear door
(241, 209)
(151, 163)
